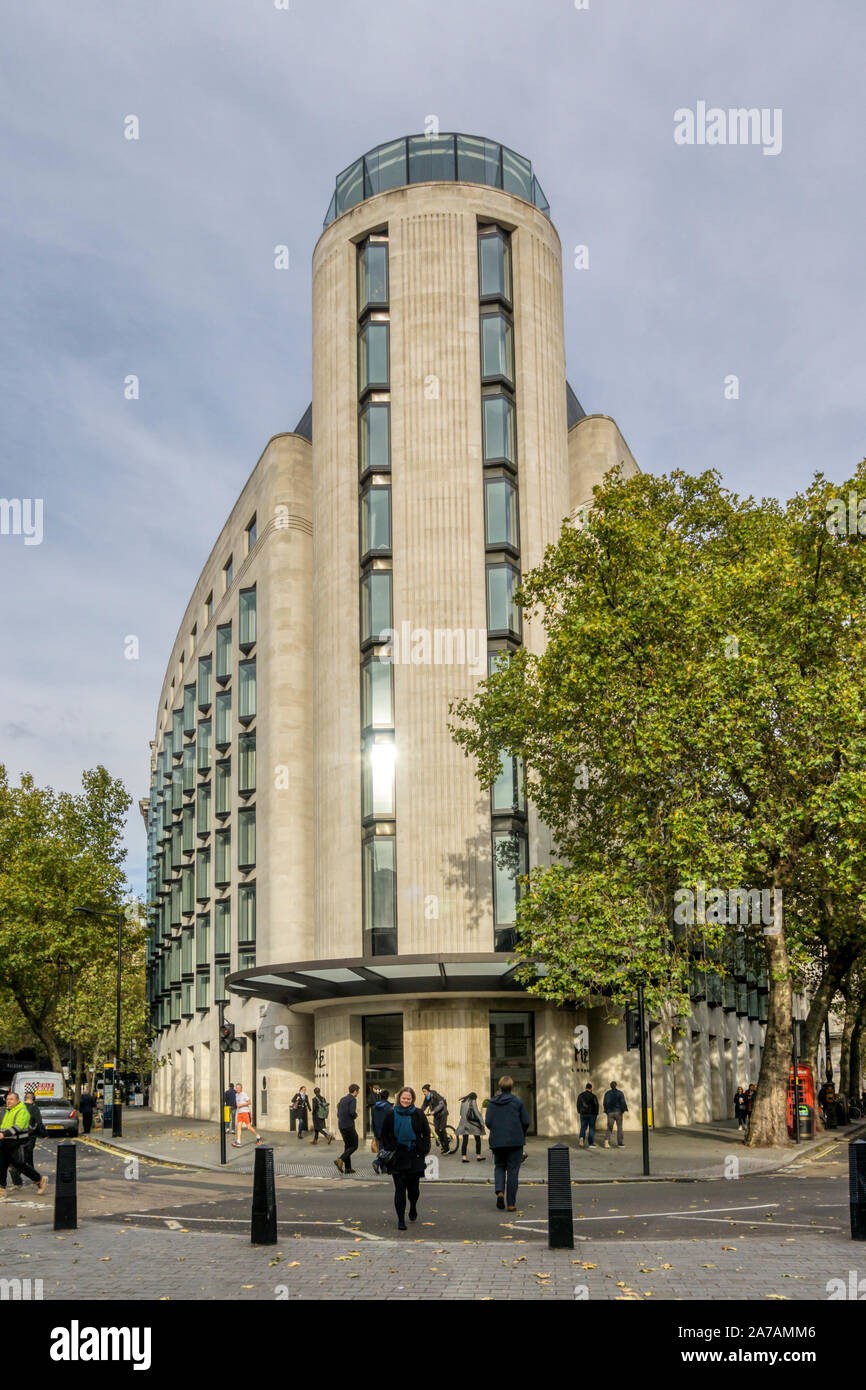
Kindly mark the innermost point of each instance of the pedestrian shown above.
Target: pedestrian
(301, 1107)
(471, 1125)
(244, 1116)
(230, 1103)
(36, 1131)
(587, 1109)
(86, 1105)
(507, 1121)
(406, 1134)
(347, 1113)
(614, 1108)
(14, 1134)
(382, 1108)
(321, 1109)
(438, 1107)
(741, 1108)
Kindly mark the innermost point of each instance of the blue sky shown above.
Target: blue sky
(155, 257)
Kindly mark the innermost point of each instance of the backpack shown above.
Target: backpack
(323, 1107)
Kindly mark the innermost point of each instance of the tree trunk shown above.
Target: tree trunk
(856, 1053)
(847, 1033)
(836, 968)
(77, 1077)
(768, 1126)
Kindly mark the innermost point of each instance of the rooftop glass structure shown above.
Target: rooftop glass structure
(435, 158)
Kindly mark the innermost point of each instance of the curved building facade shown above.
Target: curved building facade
(355, 904)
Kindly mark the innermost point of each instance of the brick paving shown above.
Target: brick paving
(117, 1262)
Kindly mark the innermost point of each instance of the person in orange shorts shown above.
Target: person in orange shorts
(243, 1116)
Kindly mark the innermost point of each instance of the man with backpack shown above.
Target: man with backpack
(321, 1110)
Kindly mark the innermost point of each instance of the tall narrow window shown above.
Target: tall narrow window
(374, 438)
(189, 767)
(202, 938)
(500, 512)
(205, 671)
(500, 435)
(222, 927)
(188, 839)
(177, 733)
(507, 794)
(377, 779)
(494, 265)
(203, 809)
(223, 787)
(208, 607)
(247, 838)
(228, 572)
(375, 604)
(246, 619)
(503, 615)
(222, 871)
(177, 789)
(202, 874)
(204, 745)
(247, 691)
(189, 709)
(373, 357)
(202, 991)
(223, 718)
(497, 348)
(246, 763)
(223, 652)
(252, 534)
(509, 865)
(375, 521)
(246, 916)
(377, 694)
(372, 275)
(220, 975)
(379, 873)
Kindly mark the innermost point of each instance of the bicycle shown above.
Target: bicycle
(451, 1136)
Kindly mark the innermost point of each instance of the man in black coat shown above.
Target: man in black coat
(230, 1099)
(587, 1109)
(86, 1105)
(507, 1121)
(347, 1114)
(614, 1108)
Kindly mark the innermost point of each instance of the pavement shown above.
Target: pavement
(112, 1262)
(707, 1151)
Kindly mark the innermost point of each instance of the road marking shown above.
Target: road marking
(364, 1235)
(230, 1221)
(645, 1215)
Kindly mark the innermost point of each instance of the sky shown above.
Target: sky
(155, 258)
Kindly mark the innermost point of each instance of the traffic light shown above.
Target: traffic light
(227, 1037)
(632, 1029)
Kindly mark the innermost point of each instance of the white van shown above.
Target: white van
(46, 1085)
(58, 1116)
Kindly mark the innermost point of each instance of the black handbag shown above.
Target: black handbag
(384, 1161)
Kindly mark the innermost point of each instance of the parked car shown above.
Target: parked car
(49, 1089)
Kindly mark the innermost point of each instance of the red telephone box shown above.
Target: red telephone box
(804, 1099)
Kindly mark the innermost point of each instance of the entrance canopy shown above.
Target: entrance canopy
(318, 981)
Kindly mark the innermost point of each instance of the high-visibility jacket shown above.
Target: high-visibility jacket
(18, 1118)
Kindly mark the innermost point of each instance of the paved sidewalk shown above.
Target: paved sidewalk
(704, 1151)
(115, 1262)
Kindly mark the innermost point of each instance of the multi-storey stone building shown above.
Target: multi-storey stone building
(320, 853)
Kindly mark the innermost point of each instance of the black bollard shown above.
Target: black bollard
(263, 1228)
(65, 1188)
(560, 1224)
(116, 1119)
(857, 1187)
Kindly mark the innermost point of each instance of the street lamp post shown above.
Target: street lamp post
(116, 1114)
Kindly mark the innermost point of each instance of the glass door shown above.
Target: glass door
(383, 1060)
(512, 1053)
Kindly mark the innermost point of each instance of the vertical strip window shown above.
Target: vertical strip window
(222, 927)
(380, 895)
(372, 275)
(247, 619)
(205, 672)
(247, 838)
(223, 718)
(223, 652)
(374, 438)
(246, 764)
(247, 691)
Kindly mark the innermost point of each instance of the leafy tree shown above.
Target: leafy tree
(697, 714)
(58, 851)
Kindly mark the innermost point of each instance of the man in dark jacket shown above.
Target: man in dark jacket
(507, 1121)
(587, 1109)
(86, 1105)
(382, 1108)
(230, 1099)
(614, 1107)
(347, 1113)
(438, 1108)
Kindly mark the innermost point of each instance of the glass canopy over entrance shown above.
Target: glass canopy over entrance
(434, 159)
(316, 982)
